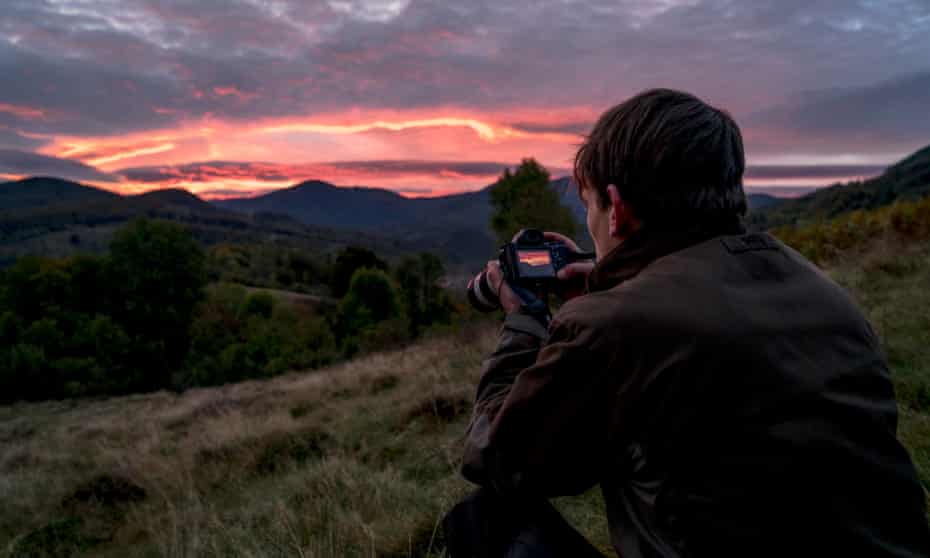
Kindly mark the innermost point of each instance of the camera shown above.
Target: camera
(530, 262)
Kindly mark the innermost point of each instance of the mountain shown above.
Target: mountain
(457, 224)
(53, 217)
(907, 179)
(42, 191)
(321, 203)
(760, 201)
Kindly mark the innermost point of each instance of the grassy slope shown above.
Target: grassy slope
(891, 283)
(908, 179)
(356, 460)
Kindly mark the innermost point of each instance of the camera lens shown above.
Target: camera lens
(481, 296)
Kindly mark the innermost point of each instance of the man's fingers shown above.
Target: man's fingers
(548, 235)
(577, 269)
(494, 273)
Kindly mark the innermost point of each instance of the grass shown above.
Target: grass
(891, 281)
(356, 460)
(359, 459)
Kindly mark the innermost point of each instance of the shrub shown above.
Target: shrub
(372, 298)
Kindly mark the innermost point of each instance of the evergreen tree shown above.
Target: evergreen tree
(524, 200)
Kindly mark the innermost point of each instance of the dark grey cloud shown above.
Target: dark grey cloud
(422, 167)
(579, 128)
(897, 109)
(210, 171)
(15, 163)
(215, 193)
(108, 67)
(10, 138)
(811, 171)
(412, 190)
(781, 191)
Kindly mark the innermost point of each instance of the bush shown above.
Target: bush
(350, 260)
(372, 298)
(93, 326)
(238, 336)
(822, 242)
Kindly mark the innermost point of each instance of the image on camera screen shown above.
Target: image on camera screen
(535, 263)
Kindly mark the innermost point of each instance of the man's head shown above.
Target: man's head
(663, 159)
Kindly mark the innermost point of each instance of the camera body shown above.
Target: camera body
(530, 262)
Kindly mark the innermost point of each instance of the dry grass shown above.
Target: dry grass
(355, 460)
(360, 459)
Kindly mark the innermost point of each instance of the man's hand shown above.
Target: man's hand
(509, 299)
(573, 277)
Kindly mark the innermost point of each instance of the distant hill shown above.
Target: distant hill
(42, 191)
(53, 217)
(458, 223)
(907, 179)
(760, 201)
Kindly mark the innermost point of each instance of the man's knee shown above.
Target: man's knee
(486, 525)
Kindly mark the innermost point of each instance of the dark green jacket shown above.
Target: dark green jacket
(726, 395)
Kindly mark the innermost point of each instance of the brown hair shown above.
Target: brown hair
(674, 159)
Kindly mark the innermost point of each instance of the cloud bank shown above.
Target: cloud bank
(168, 83)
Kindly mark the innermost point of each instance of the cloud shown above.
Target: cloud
(11, 138)
(813, 82)
(342, 172)
(891, 111)
(291, 57)
(801, 172)
(21, 163)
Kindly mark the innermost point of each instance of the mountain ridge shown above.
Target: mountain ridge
(906, 179)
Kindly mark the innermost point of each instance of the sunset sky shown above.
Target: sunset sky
(434, 97)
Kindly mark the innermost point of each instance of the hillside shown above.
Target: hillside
(458, 224)
(52, 217)
(40, 191)
(357, 459)
(907, 179)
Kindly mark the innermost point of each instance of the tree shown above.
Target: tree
(157, 276)
(372, 298)
(349, 260)
(524, 200)
(425, 300)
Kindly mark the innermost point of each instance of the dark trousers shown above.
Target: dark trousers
(486, 525)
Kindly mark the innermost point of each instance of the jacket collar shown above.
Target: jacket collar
(642, 248)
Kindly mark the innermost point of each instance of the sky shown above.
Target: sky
(228, 98)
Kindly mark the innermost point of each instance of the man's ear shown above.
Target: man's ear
(621, 216)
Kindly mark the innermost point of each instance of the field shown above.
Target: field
(359, 459)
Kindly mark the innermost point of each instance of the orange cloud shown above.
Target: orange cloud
(302, 146)
(107, 159)
(463, 136)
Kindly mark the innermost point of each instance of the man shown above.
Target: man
(728, 398)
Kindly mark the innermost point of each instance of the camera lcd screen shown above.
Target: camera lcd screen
(535, 263)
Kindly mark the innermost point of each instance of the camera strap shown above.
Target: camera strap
(532, 304)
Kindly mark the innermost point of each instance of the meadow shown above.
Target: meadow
(356, 459)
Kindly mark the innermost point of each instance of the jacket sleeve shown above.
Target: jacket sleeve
(541, 415)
